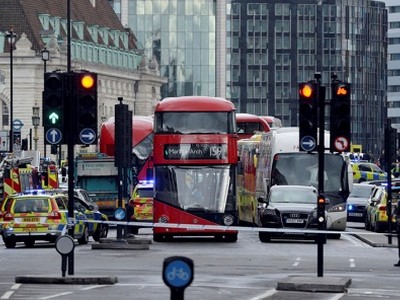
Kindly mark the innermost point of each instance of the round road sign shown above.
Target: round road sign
(341, 144)
(65, 244)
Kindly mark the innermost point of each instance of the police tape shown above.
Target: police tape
(221, 228)
(217, 228)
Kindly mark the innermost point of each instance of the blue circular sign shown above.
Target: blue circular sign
(308, 143)
(87, 136)
(17, 124)
(53, 136)
(120, 214)
(178, 274)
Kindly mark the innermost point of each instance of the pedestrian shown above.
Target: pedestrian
(382, 160)
(366, 156)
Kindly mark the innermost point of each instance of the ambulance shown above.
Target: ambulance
(141, 204)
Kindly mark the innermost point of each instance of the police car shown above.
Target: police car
(31, 217)
(141, 203)
(366, 171)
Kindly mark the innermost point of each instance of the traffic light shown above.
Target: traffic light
(308, 116)
(53, 149)
(24, 144)
(340, 118)
(53, 107)
(390, 146)
(86, 107)
(321, 212)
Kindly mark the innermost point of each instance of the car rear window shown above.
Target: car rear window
(31, 205)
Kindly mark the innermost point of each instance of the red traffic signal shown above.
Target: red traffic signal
(307, 90)
(308, 116)
(87, 81)
(340, 117)
(86, 107)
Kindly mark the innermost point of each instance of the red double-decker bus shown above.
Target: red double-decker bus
(249, 124)
(142, 143)
(195, 166)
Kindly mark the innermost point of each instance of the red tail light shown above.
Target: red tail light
(8, 217)
(54, 215)
(382, 208)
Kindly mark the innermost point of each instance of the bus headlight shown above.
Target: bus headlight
(228, 220)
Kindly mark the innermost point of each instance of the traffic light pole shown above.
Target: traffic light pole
(70, 140)
(71, 168)
(321, 151)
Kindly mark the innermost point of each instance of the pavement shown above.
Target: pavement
(290, 283)
(336, 284)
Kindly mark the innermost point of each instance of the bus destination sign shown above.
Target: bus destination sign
(196, 151)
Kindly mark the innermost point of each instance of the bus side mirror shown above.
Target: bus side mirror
(265, 185)
(263, 199)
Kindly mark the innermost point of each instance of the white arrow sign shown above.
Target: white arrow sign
(89, 136)
(53, 136)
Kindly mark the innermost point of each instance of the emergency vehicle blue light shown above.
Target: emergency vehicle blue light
(146, 181)
(34, 192)
(350, 207)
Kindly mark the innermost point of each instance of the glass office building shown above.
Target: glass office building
(181, 35)
(255, 52)
(274, 45)
(393, 7)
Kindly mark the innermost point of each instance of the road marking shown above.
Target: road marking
(7, 295)
(266, 294)
(297, 262)
(56, 295)
(92, 287)
(352, 263)
(338, 296)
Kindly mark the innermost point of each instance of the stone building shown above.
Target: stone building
(99, 43)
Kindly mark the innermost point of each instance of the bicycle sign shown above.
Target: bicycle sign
(177, 274)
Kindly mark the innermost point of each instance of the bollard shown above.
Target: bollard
(65, 246)
(177, 275)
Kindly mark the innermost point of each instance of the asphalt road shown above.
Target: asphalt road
(247, 269)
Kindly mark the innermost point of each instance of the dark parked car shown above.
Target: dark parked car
(289, 207)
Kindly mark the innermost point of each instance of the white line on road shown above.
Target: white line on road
(92, 287)
(56, 295)
(7, 295)
(266, 294)
(338, 296)
(16, 286)
(297, 262)
(352, 263)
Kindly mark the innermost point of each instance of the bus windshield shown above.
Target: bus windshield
(203, 188)
(302, 169)
(194, 122)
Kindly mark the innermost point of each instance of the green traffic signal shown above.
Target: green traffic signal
(53, 103)
(53, 118)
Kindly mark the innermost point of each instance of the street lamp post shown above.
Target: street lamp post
(45, 58)
(11, 36)
(35, 123)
